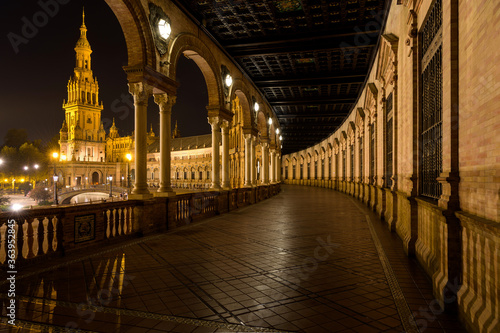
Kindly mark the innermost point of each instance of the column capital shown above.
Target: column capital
(141, 92)
(164, 101)
(224, 125)
(215, 122)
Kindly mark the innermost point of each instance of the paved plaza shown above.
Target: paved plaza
(307, 260)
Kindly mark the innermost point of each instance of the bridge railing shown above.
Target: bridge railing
(53, 231)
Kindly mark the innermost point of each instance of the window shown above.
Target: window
(316, 169)
(431, 137)
(185, 174)
(302, 171)
(329, 166)
(343, 165)
(293, 171)
(201, 175)
(361, 159)
(337, 165)
(308, 170)
(352, 162)
(372, 152)
(208, 174)
(323, 168)
(192, 174)
(388, 141)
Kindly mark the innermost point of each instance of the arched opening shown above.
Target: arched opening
(189, 112)
(95, 178)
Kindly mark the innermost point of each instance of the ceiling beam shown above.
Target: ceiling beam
(299, 45)
(348, 32)
(313, 116)
(310, 81)
(328, 101)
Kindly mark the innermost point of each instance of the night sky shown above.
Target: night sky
(34, 78)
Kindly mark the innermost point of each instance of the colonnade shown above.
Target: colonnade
(220, 135)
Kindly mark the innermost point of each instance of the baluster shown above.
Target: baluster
(40, 236)
(56, 239)
(3, 243)
(19, 240)
(114, 222)
(28, 240)
(125, 221)
(108, 223)
(46, 242)
(120, 221)
(34, 237)
(131, 219)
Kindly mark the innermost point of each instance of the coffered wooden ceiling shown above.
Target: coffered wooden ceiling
(308, 57)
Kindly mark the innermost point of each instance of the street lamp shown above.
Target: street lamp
(110, 186)
(129, 158)
(55, 177)
(55, 156)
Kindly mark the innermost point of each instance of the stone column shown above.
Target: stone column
(253, 166)
(328, 162)
(278, 167)
(141, 93)
(225, 155)
(215, 123)
(273, 166)
(248, 162)
(165, 103)
(265, 163)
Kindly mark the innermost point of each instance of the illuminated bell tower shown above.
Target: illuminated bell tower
(82, 135)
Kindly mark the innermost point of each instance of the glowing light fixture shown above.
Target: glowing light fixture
(228, 80)
(55, 155)
(129, 156)
(256, 106)
(270, 121)
(277, 131)
(281, 138)
(164, 28)
(17, 207)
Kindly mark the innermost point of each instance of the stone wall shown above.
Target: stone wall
(455, 235)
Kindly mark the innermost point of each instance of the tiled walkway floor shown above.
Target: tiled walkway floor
(304, 261)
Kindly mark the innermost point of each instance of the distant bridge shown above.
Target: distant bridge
(65, 198)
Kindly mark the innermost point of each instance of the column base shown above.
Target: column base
(165, 194)
(141, 196)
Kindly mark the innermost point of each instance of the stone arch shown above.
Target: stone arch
(193, 48)
(93, 179)
(242, 94)
(262, 124)
(134, 23)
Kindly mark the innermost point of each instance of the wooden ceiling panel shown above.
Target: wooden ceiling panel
(309, 58)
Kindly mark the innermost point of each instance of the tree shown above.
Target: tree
(4, 200)
(39, 193)
(25, 187)
(15, 137)
(52, 145)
